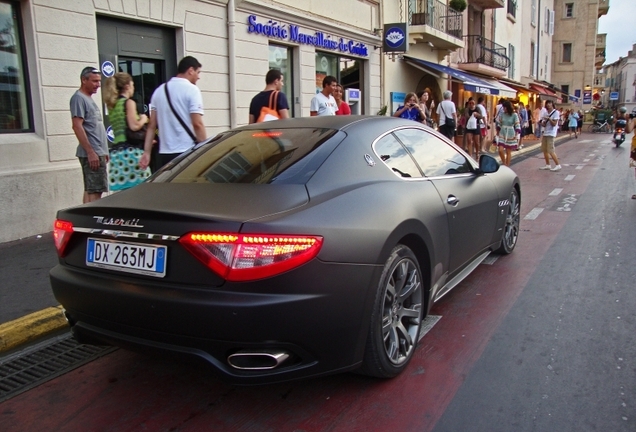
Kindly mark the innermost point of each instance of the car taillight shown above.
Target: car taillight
(62, 231)
(245, 257)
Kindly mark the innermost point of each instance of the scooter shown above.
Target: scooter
(619, 132)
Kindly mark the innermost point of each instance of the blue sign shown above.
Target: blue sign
(397, 99)
(395, 37)
(108, 69)
(110, 134)
(613, 95)
(587, 97)
(274, 30)
(354, 94)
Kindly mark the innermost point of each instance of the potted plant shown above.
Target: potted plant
(458, 5)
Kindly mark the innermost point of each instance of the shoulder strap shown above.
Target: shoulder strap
(274, 96)
(187, 129)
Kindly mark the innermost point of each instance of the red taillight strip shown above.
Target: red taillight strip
(62, 231)
(245, 257)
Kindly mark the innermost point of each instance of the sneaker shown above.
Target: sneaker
(520, 146)
(556, 168)
(547, 167)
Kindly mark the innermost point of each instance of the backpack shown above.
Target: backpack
(269, 112)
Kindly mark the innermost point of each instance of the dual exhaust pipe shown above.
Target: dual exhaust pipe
(257, 360)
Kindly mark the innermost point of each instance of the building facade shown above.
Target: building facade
(46, 43)
(578, 50)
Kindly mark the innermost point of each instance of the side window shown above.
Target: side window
(434, 156)
(391, 152)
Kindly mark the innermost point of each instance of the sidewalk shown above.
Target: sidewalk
(28, 310)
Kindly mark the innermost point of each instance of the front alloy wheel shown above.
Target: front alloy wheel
(397, 316)
(511, 227)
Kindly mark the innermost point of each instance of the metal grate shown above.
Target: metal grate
(40, 363)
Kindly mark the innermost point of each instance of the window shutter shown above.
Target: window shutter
(546, 27)
(551, 32)
(533, 13)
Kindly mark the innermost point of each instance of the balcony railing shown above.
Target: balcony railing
(478, 49)
(437, 15)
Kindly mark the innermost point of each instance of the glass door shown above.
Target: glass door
(147, 76)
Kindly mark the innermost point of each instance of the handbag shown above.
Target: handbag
(135, 138)
(269, 112)
(449, 122)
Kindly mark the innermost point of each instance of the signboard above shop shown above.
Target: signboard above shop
(292, 33)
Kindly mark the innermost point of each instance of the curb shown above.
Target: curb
(31, 327)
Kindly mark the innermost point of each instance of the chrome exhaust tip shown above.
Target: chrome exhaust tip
(252, 360)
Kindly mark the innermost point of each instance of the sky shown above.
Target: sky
(620, 26)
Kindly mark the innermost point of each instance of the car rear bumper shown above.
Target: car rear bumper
(320, 320)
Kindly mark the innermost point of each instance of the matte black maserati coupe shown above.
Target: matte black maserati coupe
(286, 249)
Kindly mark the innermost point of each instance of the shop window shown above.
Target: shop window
(347, 70)
(567, 53)
(15, 109)
(280, 58)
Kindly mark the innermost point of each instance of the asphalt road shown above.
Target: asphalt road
(540, 340)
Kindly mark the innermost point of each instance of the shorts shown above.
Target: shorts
(95, 181)
(547, 144)
(472, 131)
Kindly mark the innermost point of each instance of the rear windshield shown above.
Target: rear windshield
(264, 156)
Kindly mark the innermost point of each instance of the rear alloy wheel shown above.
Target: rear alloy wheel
(396, 317)
(511, 228)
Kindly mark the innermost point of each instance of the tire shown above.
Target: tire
(591, 128)
(396, 319)
(511, 227)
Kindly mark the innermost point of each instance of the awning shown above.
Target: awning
(504, 90)
(471, 82)
(544, 92)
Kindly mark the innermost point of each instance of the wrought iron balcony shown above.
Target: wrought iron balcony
(478, 49)
(437, 15)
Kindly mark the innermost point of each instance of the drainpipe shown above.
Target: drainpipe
(231, 62)
(538, 39)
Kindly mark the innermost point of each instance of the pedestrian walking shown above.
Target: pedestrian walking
(483, 124)
(471, 131)
(129, 130)
(88, 127)
(573, 120)
(324, 104)
(536, 119)
(176, 108)
(550, 124)
(579, 123)
(523, 120)
(271, 103)
(447, 113)
(427, 105)
(509, 132)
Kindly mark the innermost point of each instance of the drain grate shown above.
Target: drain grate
(40, 363)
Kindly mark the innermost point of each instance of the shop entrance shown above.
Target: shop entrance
(147, 53)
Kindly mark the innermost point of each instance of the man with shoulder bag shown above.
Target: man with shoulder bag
(447, 116)
(271, 103)
(176, 108)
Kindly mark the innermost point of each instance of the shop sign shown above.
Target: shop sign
(613, 96)
(292, 33)
(587, 97)
(395, 38)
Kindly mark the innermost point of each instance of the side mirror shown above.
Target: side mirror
(488, 164)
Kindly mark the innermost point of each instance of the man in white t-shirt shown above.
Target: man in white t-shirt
(446, 109)
(549, 120)
(324, 104)
(187, 102)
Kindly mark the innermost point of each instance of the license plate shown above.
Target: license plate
(135, 258)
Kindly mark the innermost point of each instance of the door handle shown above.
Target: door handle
(452, 200)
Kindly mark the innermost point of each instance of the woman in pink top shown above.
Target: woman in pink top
(343, 107)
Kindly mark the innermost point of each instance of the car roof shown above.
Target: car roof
(330, 122)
